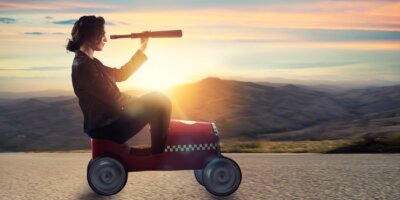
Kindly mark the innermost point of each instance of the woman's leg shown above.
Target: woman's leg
(121, 130)
(153, 108)
(159, 107)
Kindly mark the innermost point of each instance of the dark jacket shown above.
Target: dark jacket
(94, 84)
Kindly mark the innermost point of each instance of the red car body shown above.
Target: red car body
(190, 145)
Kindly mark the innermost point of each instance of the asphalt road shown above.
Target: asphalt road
(265, 176)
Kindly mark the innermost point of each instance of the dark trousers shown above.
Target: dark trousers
(153, 108)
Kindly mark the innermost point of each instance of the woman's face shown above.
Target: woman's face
(100, 43)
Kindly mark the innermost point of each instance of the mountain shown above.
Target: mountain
(245, 108)
(373, 100)
(373, 111)
(317, 87)
(39, 125)
(240, 109)
(34, 94)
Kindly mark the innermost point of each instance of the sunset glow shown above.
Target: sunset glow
(302, 40)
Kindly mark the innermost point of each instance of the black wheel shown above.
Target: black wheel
(89, 164)
(106, 176)
(222, 176)
(198, 173)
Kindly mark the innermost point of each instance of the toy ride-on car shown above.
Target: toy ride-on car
(190, 146)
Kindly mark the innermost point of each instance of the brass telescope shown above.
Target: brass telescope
(152, 34)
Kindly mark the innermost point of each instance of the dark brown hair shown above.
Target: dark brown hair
(87, 28)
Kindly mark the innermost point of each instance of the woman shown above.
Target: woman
(108, 113)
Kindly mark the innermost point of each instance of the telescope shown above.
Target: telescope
(152, 34)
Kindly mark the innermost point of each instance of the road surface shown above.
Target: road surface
(265, 176)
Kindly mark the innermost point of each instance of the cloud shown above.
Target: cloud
(123, 23)
(353, 15)
(52, 5)
(7, 20)
(43, 33)
(337, 35)
(257, 62)
(310, 64)
(34, 33)
(48, 17)
(36, 69)
(110, 23)
(72, 22)
(65, 22)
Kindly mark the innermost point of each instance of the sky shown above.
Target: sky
(337, 42)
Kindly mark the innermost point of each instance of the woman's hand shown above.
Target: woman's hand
(143, 43)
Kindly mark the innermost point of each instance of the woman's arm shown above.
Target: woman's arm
(130, 67)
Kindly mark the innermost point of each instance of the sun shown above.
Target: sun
(154, 75)
(168, 64)
(157, 80)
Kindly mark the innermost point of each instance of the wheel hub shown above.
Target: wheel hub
(222, 176)
(107, 176)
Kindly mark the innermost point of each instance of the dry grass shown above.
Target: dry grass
(63, 151)
(284, 146)
(383, 144)
(388, 143)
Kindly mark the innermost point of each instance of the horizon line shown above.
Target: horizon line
(300, 82)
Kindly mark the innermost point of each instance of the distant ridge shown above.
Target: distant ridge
(240, 109)
(32, 94)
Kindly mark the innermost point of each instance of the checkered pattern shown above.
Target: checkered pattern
(215, 129)
(190, 147)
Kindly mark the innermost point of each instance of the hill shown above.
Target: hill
(240, 109)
